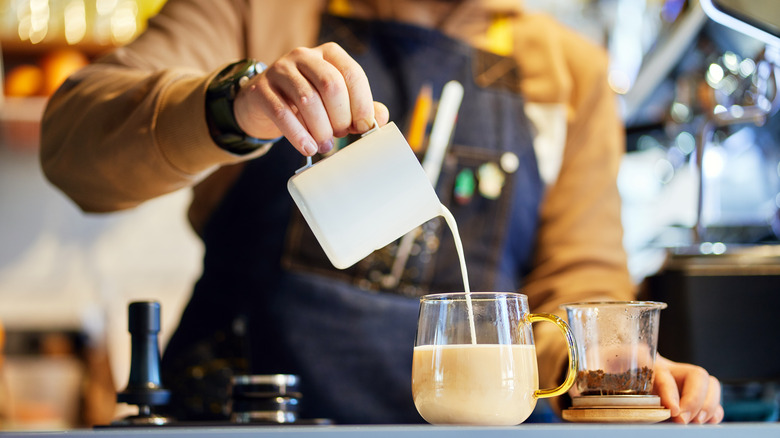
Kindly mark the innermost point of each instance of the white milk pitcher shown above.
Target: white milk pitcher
(364, 196)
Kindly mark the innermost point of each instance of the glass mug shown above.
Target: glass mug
(491, 380)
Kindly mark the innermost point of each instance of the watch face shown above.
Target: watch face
(227, 81)
(221, 121)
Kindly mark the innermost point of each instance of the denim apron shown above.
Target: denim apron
(269, 301)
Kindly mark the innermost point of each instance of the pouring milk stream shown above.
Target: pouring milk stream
(375, 191)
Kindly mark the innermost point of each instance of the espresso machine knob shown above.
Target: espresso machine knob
(144, 387)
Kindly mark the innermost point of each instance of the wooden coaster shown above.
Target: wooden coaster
(612, 401)
(616, 409)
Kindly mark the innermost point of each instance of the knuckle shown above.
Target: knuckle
(715, 384)
(299, 52)
(277, 111)
(278, 70)
(330, 85)
(330, 46)
(306, 98)
(714, 380)
(701, 372)
(299, 138)
(353, 76)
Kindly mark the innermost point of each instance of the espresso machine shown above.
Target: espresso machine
(721, 277)
(723, 286)
(722, 316)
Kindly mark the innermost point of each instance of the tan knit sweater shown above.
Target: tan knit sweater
(131, 127)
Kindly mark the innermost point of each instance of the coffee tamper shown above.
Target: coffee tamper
(144, 387)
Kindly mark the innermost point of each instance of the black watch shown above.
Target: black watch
(220, 117)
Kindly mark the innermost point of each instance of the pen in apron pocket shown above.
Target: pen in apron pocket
(420, 116)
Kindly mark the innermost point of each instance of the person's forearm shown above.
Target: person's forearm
(113, 137)
(132, 126)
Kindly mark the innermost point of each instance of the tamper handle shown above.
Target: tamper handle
(144, 386)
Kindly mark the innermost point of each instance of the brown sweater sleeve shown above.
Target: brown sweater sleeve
(131, 126)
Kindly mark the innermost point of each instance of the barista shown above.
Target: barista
(159, 115)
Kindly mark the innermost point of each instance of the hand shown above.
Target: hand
(688, 391)
(309, 96)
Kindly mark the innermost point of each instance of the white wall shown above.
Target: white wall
(61, 268)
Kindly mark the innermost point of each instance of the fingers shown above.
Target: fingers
(361, 102)
(689, 392)
(316, 95)
(275, 115)
(710, 409)
(700, 393)
(382, 114)
(693, 383)
(666, 387)
(309, 96)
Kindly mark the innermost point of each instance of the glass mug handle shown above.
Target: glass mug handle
(571, 374)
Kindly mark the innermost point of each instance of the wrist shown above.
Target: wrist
(221, 93)
(250, 116)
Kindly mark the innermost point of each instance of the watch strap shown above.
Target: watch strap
(220, 117)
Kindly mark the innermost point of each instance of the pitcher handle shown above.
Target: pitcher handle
(373, 128)
(309, 163)
(571, 374)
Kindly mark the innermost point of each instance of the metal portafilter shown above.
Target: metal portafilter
(144, 387)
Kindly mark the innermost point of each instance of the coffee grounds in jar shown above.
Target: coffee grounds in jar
(632, 382)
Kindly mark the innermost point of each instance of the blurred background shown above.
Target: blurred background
(701, 223)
